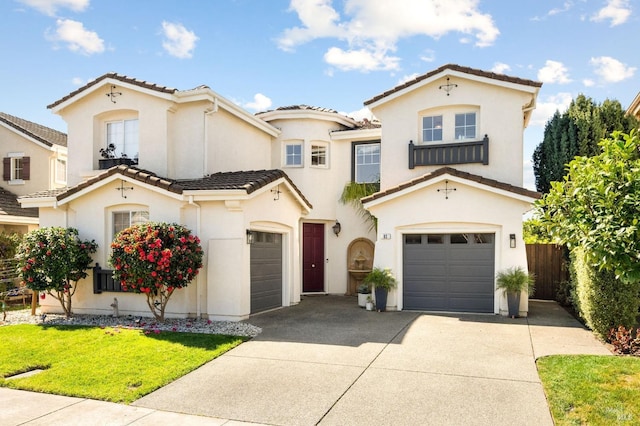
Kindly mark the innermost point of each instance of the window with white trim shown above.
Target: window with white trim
(432, 128)
(465, 126)
(123, 135)
(16, 168)
(319, 155)
(367, 162)
(125, 219)
(293, 154)
(61, 171)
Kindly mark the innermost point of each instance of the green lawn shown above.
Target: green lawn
(110, 364)
(592, 390)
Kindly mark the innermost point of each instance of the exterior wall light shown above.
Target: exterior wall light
(249, 236)
(512, 240)
(337, 228)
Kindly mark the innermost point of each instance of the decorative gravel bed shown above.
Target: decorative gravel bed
(149, 325)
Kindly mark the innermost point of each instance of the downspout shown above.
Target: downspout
(198, 292)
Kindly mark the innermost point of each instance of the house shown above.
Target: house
(27, 147)
(634, 108)
(451, 201)
(262, 191)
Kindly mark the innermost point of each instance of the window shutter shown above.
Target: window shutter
(6, 169)
(26, 167)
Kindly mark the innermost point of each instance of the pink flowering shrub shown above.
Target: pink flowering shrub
(155, 259)
(53, 260)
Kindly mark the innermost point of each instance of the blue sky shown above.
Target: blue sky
(334, 54)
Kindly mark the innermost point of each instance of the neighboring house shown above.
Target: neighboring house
(34, 158)
(262, 191)
(634, 108)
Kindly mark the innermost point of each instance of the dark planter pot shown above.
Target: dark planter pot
(381, 299)
(107, 163)
(513, 301)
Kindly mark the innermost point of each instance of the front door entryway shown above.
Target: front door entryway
(312, 257)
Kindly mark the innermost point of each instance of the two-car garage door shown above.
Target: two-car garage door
(449, 272)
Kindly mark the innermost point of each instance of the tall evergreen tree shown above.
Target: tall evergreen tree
(576, 132)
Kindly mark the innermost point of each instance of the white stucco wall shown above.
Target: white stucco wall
(470, 209)
(499, 115)
(222, 288)
(323, 186)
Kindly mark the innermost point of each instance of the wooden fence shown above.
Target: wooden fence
(548, 263)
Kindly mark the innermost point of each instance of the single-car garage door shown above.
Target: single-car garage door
(266, 271)
(449, 272)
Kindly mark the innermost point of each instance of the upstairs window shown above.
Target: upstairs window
(123, 135)
(293, 155)
(432, 128)
(16, 168)
(465, 126)
(319, 155)
(366, 167)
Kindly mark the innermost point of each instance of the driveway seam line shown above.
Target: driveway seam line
(367, 367)
(456, 375)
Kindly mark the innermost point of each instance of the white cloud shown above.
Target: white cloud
(588, 82)
(566, 6)
(179, 41)
(50, 7)
(500, 68)
(547, 107)
(617, 11)
(611, 70)
(77, 81)
(554, 72)
(77, 37)
(371, 29)
(360, 114)
(361, 59)
(428, 56)
(406, 78)
(260, 103)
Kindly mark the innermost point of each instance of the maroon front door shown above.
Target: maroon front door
(312, 257)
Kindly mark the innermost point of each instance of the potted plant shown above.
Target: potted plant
(382, 281)
(513, 281)
(364, 291)
(109, 158)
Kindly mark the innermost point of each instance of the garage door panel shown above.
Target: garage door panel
(454, 274)
(266, 271)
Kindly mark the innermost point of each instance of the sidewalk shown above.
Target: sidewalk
(325, 361)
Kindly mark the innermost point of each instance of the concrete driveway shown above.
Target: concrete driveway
(328, 362)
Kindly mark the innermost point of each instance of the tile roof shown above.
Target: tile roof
(39, 132)
(115, 76)
(457, 173)
(9, 206)
(300, 108)
(454, 67)
(248, 181)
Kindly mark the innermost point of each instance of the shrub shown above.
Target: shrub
(54, 259)
(565, 293)
(623, 341)
(9, 245)
(603, 301)
(155, 259)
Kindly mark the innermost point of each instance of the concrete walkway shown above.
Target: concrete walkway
(328, 362)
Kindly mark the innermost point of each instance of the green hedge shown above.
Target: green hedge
(603, 301)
